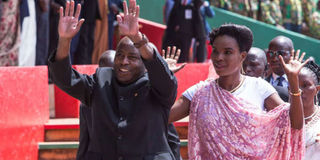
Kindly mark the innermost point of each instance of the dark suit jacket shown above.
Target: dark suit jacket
(128, 121)
(193, 27)
(282, 91)
(86, 134)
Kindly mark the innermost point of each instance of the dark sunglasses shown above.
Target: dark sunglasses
(276, 53)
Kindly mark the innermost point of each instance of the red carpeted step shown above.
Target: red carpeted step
(68, 150)
(67, 129)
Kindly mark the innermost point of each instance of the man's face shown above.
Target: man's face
(254, 66)
(128, 65)
(274, 50)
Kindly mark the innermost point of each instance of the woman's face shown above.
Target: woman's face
(308, 87)
(226, 56)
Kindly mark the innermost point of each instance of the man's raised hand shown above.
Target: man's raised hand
(69, 23)
(128, 24)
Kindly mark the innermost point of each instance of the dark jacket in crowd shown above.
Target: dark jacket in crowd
(128, 121)
(282, 91)
(86, 134)
(184, 23)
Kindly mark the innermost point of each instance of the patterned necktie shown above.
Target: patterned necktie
(280, 80)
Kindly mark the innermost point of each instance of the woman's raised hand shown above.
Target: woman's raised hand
(69, 23)
(128, 24)
(295, 64)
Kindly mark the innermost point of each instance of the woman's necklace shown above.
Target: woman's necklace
(237, 87)
(312, 115)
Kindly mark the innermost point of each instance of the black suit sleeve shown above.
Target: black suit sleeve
(163, 81)
(77, 85)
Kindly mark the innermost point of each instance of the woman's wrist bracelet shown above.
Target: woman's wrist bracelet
(295, 94)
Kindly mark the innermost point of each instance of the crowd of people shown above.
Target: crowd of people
(263, 105)
(302, 16)
(29, 28)
(29, 31)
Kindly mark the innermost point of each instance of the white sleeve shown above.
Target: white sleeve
(265, 88)
(189, 93)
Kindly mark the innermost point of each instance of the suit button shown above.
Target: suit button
(120, 158)
(120, 137)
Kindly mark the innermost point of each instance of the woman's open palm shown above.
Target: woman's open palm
(69, 23)
(295, 64)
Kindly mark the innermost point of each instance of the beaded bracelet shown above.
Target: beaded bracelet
(295, 94)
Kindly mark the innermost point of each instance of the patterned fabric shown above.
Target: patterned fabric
(226, 4)
(271, 12)
(223, 127)
(293, 12)
(238, 6)
(312, 131)
(308, 7)
(315, 25)
(9, 33)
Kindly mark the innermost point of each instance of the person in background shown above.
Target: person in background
(255, 63)
(53, 23)
(114, 8)
(10, 32)
(82, 46)
(271, 12)
(200, 46)
(27, 49)
(283, 46)
(184, 23)
(224, 4)
(167, 10)
(308, 7)
(292, 15)
(42, 8)
(252, 5)
(106, 59)
(315, 22)
(309, 78)
(239, 6)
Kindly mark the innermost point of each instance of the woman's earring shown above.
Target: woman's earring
(242, 70)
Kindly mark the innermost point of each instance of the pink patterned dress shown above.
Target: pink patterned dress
(223, 127)
(9, 33)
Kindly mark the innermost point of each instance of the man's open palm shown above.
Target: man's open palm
(128, 24)
(69, 23)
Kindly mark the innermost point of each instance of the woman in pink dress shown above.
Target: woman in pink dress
(241, 117)
(9, 32)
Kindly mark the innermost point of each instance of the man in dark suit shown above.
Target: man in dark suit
(106, 60)
(83, 46)
(185, 22)
(283, 46)
(114, 8)
(130, 107)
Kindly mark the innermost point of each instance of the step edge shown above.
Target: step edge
(58, 145)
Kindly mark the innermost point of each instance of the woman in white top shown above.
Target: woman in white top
(226, 116)
(309, 84)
